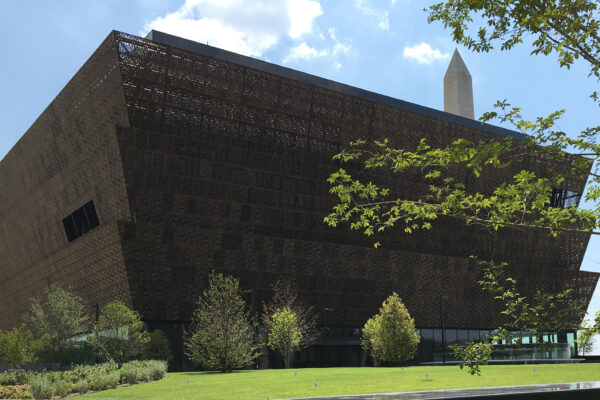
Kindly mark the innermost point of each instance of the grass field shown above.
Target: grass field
(281, 384)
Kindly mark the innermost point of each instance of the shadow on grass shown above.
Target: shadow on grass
(237, 371)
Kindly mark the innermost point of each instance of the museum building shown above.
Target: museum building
(163, 159)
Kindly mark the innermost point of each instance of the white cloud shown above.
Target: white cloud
(303, 52)
(341, 48)
(301, 14)
(238, 26)
(424, 54)
(338, 48)
(381, 16)
(332, 33)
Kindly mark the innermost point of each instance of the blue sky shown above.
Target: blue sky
(385, 46)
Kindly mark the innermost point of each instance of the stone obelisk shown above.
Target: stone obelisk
(458, 88)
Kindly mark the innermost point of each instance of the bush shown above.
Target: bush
(157, 369)
(80, 379)
(391, 335)
(100, 381)
(15, 392)
(15, 377)
(82, 386)
(61, 388)
(129, 374)
(80, 372)
(41, 387)
(143, 371)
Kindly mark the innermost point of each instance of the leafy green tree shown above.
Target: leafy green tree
(587, 336)
(566, 28)
(473, 355)
(284, 334)
(222, 336)
(158, 347)
(59, 318)
(285, 296)
(18, 346)
(391, 335)
(119, 334)
(369, 340)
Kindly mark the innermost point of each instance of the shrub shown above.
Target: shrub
(61, 388)
(41, 387)
(18, 346)
(156, 369)
(15, 392)
(129, 374)
(143, 371)
(82, 386)
(15, 377)
(390, 335)
(101, 381)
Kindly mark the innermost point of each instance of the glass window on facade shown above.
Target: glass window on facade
(437, 336)
(462, 336)
(571, 341)
(81, 221)
(474, 335)
(484, 335)
(426, 334)
(450, 336)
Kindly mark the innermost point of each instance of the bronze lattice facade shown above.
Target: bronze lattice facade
(195, 159)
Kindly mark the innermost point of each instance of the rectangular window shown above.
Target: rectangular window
(81, 221)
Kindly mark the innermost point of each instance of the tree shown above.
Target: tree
(284, 334)
(285, 295)
(18, 347)
(158, 347)
(587, 334)
(564, 27)
(369, 338)
(222, 336)
(59, 318)
(568, 28)
(391, 335)
(523, 202)
(119, 334)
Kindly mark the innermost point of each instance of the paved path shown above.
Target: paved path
(576, 390)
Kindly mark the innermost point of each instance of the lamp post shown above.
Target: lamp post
(325, 333)
(442, 299)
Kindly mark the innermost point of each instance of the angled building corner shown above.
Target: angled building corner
(63, 193)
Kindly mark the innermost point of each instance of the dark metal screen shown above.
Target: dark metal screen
(226, 166)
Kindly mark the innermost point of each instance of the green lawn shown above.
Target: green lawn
(281, 384)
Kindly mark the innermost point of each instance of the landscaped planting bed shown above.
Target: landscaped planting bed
(19, 384)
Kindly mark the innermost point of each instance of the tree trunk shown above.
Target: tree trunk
(287, 360)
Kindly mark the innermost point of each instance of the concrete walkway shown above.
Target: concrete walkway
(576, 390)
